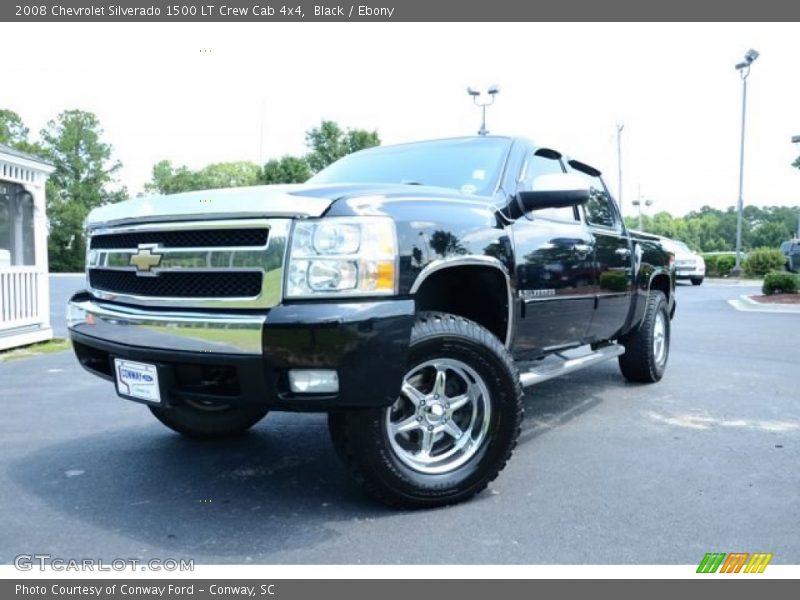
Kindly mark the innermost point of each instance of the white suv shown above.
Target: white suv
(688, 264)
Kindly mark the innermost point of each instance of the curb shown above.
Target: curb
(734, 282)
(747, 304)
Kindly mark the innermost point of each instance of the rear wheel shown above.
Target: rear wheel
(208, 420)
(647, 348)
(451, 430)
(697, 280)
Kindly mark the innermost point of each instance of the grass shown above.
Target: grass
(48, 347)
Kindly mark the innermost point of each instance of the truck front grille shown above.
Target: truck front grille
(198, 238)
(197, 264)
(217, 284)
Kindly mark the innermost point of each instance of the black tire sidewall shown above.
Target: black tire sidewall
(194, 422)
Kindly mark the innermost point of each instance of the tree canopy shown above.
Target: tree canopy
(712, 230)
(326, 143)
(83, 179)
(167, 179)
(287, 169)
(14, 133)
(329, 142)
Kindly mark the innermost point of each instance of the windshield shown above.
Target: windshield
(683, 247)
(470, 165)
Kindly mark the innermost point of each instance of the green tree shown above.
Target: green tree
(229, 174)
(167, 179)
(770, 235)
(82, 181)
(14, 133)
(287, 169)
(329, 142)
(12, 129)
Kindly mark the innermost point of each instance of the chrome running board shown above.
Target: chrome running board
(548, 369)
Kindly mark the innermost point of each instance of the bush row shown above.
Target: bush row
(758, 263)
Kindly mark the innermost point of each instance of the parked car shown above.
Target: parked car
(409, 291)
(791, 250)
(688, 263)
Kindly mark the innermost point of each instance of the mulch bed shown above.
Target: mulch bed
(778, 299)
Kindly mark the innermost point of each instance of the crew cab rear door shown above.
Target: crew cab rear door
(554, 269)
(613, 256)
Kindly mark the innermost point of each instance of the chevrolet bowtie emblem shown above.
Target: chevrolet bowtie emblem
(145, 259)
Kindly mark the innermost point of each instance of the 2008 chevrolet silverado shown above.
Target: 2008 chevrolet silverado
(409, 291)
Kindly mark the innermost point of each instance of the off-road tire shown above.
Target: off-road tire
(362, 441)
(640, 362)
(211, 423)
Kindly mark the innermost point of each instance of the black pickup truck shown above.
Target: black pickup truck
(410, 291)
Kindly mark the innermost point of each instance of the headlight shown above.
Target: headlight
(342, 256)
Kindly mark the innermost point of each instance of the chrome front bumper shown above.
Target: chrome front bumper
(211, 332)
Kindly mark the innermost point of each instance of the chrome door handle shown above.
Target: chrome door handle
(582, 249)
(622, 252)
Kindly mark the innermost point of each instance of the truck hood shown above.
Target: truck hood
(296, 200)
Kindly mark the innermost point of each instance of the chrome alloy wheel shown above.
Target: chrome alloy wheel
(441, 418)
(660, 339)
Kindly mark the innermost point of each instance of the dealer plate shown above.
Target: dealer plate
(137, 380)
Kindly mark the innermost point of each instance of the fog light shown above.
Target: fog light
(313, 381)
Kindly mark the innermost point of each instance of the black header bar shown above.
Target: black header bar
(248, 11)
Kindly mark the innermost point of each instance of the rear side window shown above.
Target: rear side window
(599, 210)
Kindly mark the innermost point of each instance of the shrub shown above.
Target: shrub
(725, 263)
(711, 265)
(719, 265)
(763, 260)
(780, 282)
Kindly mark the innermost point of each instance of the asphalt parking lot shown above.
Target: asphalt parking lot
(605, 472)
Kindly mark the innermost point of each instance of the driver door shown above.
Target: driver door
(554, 270)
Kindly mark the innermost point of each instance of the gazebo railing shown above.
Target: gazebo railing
(19, 297)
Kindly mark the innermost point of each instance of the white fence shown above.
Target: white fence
(19, 297)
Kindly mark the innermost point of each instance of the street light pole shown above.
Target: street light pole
(744, 71)
(796, 142)
(638, 203)
(492, 92)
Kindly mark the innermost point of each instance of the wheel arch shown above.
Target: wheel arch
(441, 284)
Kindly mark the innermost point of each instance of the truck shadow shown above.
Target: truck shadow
(278, 489)
(556, 402)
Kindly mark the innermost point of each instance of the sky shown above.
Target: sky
(202, 93)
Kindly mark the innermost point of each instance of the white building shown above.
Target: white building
(24, 286)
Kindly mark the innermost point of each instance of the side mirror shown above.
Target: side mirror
(550, 191)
